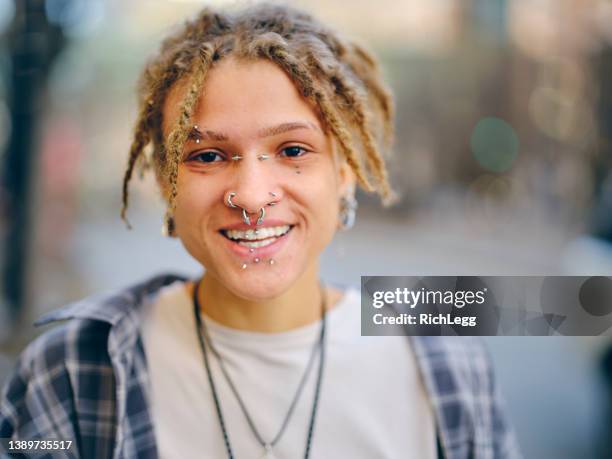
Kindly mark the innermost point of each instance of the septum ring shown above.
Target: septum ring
(247, 220)
(245, 215)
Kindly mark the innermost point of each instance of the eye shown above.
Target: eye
(293, 151)
(206, 157)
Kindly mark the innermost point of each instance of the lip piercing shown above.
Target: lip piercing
(244, 266)
(229, 201)
(256, 260)
(271, 261)
(263, 157)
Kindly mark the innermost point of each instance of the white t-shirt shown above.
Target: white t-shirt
(372, 402)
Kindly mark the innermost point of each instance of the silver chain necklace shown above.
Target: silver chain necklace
(204, 339)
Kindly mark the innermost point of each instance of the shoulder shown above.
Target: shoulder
(458, 373)
(65, 345)
(39, 398)
(459, 365)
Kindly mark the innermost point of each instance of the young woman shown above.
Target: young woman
(258, 124)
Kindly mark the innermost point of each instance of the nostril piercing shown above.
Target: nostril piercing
(273, 194)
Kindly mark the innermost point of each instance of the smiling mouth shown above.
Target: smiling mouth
(259, 237)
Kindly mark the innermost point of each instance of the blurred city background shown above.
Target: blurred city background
(503, 162)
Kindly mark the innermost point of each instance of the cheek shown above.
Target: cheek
(323, 204)
(194, 201)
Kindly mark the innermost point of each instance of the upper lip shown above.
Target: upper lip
(241, 226)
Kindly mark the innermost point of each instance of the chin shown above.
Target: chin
(256, 287)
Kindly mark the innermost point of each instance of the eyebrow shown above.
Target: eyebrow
(209, 134)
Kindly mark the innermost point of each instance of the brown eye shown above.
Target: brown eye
(206, 157)
(293, 152)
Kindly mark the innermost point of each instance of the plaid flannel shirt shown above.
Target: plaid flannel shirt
(87, 381)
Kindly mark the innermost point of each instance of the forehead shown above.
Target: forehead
(240, 95)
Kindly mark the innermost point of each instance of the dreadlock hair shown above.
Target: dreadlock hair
(340, 77)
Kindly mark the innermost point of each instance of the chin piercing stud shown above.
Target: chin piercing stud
(256, 260)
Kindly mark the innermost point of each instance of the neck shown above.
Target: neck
(298, 306)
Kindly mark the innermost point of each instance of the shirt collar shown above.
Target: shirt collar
(110, 307)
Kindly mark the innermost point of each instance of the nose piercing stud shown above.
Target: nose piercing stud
(236, 157)
(263, 157)
(230, 203)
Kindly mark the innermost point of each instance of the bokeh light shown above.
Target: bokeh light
(494, 144)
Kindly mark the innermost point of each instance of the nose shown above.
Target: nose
(253, 186)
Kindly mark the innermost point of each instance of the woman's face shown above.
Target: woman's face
(250, 108)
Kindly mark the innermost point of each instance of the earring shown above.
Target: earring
(348, 209)
(168, 226)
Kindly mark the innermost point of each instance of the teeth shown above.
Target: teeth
(256, 244)
(258, 234)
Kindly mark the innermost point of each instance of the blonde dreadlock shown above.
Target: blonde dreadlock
(341, 78)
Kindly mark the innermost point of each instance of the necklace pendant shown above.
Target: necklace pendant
(268, 452)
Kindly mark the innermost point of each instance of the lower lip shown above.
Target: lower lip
(258, 252)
